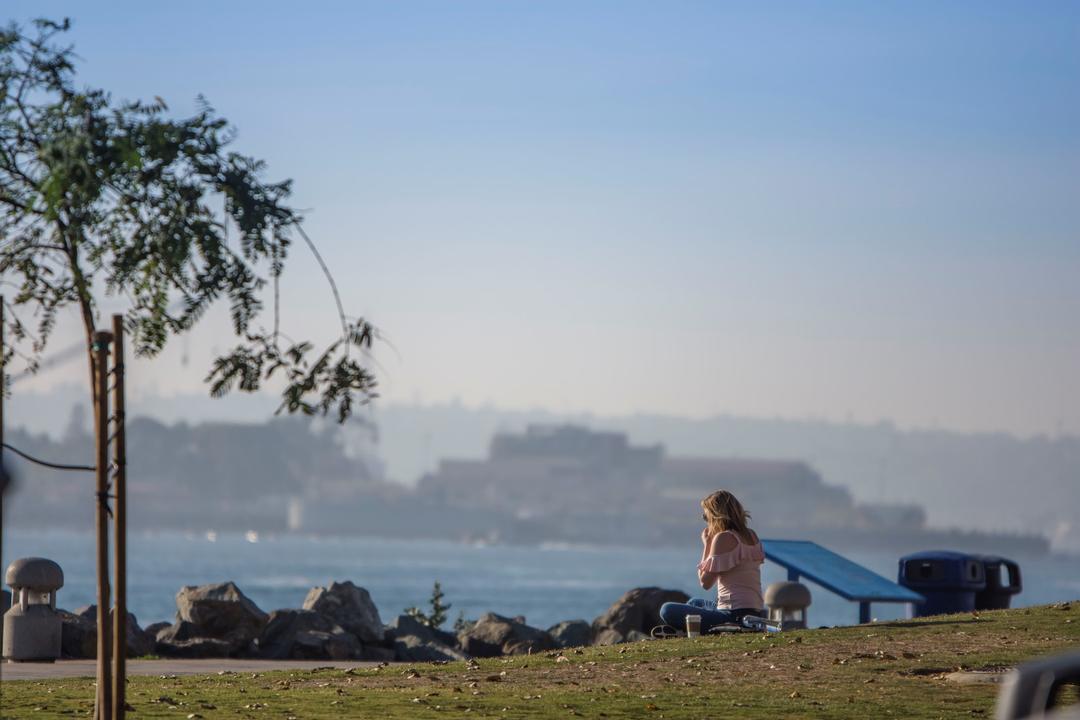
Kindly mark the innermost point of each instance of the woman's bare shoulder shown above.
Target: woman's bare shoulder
(723, 542)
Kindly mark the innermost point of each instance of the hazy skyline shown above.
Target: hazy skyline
(828, 210)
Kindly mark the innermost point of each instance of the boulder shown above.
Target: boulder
(376, 653)
(197, 648)
(412, 648)
(78, 636)
(5, 604)
(139, 643)
(571, 633)
(220, 611)
(151, 631)
(608, 637)
(306, 635)
(183, 639)
(494, 635)
(350, 607)
(638, 609)
(407, 625)
(179, 630)
(81, 636)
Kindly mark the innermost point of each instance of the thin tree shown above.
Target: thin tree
(104, 198)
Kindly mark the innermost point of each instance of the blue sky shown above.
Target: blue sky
(862, 210)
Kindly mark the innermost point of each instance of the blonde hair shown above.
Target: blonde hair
(723, 511)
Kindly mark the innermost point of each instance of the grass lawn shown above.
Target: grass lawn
(895, 668)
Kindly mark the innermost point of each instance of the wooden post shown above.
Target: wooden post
(119, 523)
(3, 385)
(102, 338)
(3, 391)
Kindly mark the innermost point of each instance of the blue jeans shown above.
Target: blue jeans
(674, 614)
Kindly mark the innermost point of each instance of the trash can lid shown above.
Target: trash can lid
(34, 573)
(787, 594)
(940, 555)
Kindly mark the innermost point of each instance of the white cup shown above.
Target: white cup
(693, 625)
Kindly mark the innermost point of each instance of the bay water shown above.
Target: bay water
(546, 584)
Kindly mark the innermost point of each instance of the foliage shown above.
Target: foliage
(437, 616)
(98, 196)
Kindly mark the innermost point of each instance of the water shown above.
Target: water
(546, 584)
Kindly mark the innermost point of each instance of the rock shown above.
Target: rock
(407, 625)
(571, 633)
(78, 636)
(5, 605)
(82, 635)
(138, 642)
(348, 606)
(179, 630)
(413, 648)
(639, 610)
(87, 612)
(151, 631)
(196, 648)
(377, 653)
(306, 635)
(220, 611)
(608, 636)
(494, 635)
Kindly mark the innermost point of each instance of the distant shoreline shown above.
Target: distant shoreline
(841, 540)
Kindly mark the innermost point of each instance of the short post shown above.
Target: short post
(787, 603)
(32, 628)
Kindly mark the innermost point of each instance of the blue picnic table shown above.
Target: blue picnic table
(834, 572)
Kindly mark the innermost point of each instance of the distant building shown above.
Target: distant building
(779, 493)
(549, 470)
(573, 483)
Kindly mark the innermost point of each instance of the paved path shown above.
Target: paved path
(86, 668)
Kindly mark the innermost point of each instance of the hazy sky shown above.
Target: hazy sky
(863, 210)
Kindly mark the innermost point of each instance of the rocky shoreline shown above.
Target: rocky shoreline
(340, 622)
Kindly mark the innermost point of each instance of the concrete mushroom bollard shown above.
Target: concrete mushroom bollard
(787, 603)
(32, 627)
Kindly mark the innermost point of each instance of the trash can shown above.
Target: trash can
(1002, 582)
(948, 580)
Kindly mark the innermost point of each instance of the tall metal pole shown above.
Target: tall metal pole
(102, 338)
(120, 522)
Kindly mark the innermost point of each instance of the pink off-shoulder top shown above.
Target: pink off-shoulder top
(738, 571)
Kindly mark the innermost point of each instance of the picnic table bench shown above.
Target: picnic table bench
(834, 572)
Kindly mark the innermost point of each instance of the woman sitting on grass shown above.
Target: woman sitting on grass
(731, 559)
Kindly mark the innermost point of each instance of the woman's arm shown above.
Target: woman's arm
(720, 543)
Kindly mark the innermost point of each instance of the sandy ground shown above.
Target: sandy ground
(86, 668)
